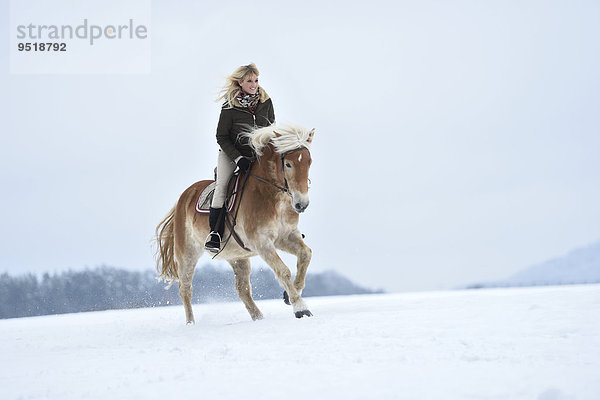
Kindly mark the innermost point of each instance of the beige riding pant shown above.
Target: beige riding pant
(225, 168)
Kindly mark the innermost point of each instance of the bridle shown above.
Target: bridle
(285, 188)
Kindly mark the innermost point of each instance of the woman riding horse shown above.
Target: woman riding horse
(273, 195)
(246, 105)
(267, 213)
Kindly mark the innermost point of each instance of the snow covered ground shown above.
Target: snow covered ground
(533, 343)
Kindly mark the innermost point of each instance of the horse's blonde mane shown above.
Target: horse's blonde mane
(285, 137)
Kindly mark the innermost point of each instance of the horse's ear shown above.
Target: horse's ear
(311, 135)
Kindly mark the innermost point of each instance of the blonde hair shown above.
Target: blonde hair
(231, 89)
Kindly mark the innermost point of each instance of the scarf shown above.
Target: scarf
(249, 100)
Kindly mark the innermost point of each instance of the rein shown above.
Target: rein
(285, 189)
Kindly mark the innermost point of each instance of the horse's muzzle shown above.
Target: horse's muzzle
(299, 207)
(300, 202)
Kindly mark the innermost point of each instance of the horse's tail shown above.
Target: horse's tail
(166, 265)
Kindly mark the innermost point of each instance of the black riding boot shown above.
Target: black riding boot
(213, 241)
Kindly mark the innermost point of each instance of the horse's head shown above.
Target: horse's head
(285, 149)
(295, 165)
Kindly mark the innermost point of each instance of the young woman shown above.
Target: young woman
(246, 105)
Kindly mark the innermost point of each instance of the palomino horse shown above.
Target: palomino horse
(276, 191)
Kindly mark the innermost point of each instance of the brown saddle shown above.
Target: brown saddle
(205, 198)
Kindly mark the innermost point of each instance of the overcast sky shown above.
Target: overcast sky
(456, 141)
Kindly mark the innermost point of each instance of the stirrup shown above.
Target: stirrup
(211, 245)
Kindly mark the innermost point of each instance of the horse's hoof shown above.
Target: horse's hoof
(286, 299)
(257, 317)
(300, 314)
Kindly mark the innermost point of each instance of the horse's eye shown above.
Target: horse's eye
(287, 164)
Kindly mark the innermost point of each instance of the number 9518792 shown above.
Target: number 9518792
(42, 46)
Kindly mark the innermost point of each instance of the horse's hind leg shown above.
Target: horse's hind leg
(186, 265)
(241, 269)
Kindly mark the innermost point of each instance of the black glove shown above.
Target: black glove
(243, 164)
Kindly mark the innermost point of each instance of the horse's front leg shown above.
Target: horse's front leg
(284, 276)
(294, 244)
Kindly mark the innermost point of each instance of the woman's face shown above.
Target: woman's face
(250, 84)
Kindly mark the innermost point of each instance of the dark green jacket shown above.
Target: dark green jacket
(234, 120)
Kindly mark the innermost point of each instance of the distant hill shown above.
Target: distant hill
(106, 288)
(577, 267)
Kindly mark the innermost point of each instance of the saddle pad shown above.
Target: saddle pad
(203, 203)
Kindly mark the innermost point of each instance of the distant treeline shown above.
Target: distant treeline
(549, 282)
(105, 288)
